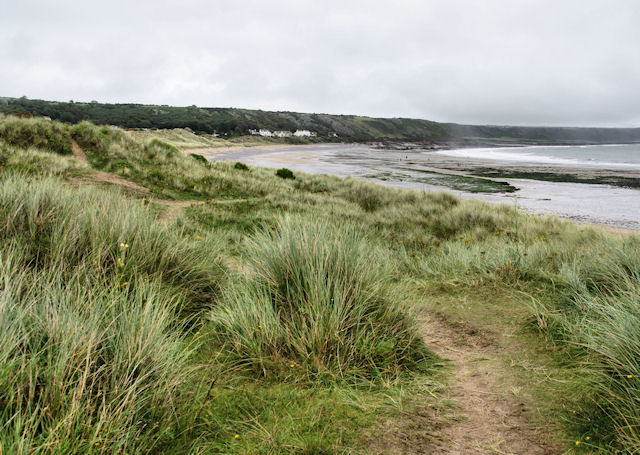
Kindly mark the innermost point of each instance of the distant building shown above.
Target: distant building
(253, 132)
(304, 133)
(46, 117)
(282, 133)
(265, 132)
(332, 134)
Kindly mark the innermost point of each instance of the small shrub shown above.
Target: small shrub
(285, 173)
(199, 158)
(120, 165)
(241, 166)
(157, 176)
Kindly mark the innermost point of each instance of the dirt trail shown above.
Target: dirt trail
(493, 420)
(79, 154)
(172, 208)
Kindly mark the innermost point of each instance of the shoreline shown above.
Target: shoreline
(562, 184)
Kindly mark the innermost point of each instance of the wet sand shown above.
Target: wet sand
(597, 204)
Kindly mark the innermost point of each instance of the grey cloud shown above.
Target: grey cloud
(506, 62)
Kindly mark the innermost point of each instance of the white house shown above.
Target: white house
(265, 132)
(282, 133)
(304, 133)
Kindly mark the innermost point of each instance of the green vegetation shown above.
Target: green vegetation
(615, 180)
(151, 302)
(39, 133)
(314, 301)
(227, 121)
(285, 173)
(241, 166)
(235, 123)
(453, 181)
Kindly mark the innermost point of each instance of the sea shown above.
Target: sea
(609, 156)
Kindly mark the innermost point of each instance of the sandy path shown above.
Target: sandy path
(493, 420)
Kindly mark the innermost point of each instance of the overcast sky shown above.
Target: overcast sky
(559, 62)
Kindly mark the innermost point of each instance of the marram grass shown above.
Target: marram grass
(125, 335)
(317, 297)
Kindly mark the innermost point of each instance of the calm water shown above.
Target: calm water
(615, 156)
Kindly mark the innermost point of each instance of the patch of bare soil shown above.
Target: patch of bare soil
(492, 420)
(78, 153)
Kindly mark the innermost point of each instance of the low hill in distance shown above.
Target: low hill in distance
(329, 128)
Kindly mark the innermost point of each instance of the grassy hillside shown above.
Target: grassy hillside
(229, 121)
(152, 302)
(233, 122)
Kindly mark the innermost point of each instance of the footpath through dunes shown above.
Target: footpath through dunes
(490, 419)
(105, 177)
(171, 210)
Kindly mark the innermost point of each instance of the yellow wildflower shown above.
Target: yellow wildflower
(629, 376)
(237, 436)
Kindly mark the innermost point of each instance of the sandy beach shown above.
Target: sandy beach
(599, 204)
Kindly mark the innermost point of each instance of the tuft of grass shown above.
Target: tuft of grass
(37, 133)
(85, 369)
(58, 228)
(317, 298)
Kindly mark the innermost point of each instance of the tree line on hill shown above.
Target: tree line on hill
(350, 128)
